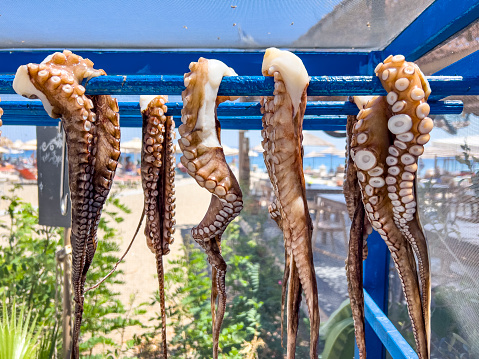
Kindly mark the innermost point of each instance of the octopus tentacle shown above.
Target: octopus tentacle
(105, 161)
(157, 175)
(354, 272)
(369, 140)
(408, 91)
(357, 252)
(282, 136)
(204, 159)
(57, 82)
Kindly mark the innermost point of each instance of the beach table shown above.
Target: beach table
(315, 189)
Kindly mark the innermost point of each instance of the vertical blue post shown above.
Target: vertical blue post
(376, 282)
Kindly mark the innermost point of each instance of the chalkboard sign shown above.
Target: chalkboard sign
(49, 164)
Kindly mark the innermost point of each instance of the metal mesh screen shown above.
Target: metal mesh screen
(349, 24)
(449, 211)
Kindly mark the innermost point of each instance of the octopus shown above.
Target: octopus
(283, 155)
(204, 160)
(157, 177)
(385, 140)
(92, 130)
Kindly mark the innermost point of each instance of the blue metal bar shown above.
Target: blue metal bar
(441, 20)
(394, 342)
(167, 62)
(31, 108)
(376, 282)
(325, 123)
(260, 86)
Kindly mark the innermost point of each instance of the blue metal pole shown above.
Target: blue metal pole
(239, 109)
(175, 62)
(376, 283)
(260, 86)
(394, 342)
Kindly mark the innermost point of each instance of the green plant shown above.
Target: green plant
(17, 338)
(27, 261)
(251, 326)
(104, 313)
(47, 346)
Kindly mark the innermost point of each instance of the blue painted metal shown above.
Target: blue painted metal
(441, 20)
(394, 342)
(325, 123)
(167, 62)
(376, 282)
(128, 108)
(260, 86)
(467, 66)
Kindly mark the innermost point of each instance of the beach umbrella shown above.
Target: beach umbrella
(132, 146)
(333, 151)
(5, 142)
(312, 140)
(229, 151)
(258, 148)
(30, 145)
(18, 145)
(313, 155)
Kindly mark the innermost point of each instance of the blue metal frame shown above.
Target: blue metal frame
(342, 73)
(168, 62)
(260, 85)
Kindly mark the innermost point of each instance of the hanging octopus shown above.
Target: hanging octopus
(157, 177)
(386, 139)
(283, 154)
(92, 130)
(204, 160)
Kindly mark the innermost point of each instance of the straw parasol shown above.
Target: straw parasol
(132, 146)
(5, 142)
(229, 151)
(333, 151)
(311, 140)
(313, 155)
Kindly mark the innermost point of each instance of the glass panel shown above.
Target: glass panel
(448, 193)
(334, 24)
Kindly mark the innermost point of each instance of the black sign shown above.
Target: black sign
(54, 205)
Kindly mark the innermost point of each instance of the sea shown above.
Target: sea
(330, 163)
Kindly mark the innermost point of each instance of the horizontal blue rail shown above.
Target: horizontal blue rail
(260, 85)
(129, 108)
(176, 62)
(325, 123)
(394, 342)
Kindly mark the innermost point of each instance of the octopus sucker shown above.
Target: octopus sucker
(205, 161)
(385, 144)
(92, 131)
(157, 177)
(282, 137)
